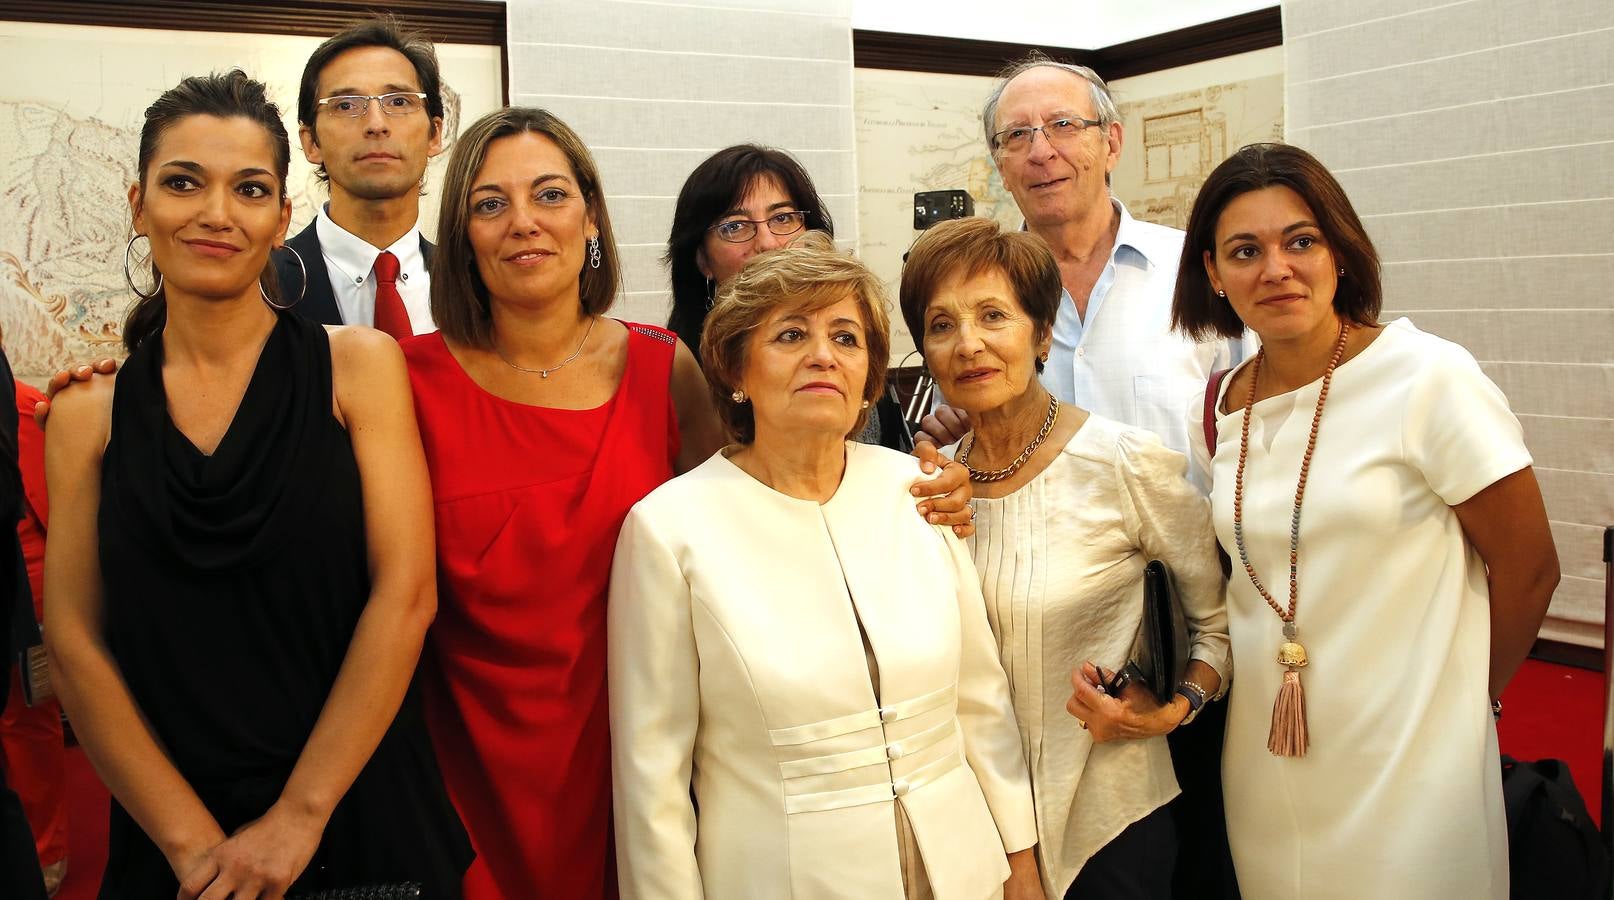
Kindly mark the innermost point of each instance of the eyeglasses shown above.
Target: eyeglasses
(1019, 138)
(738, 231)
(397, 103)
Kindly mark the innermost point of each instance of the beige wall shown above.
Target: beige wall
(1476, 139)
(655, 88)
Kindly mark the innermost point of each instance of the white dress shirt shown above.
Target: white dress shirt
(1123, 361)
(351, 260)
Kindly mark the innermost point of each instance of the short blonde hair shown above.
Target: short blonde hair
(805, 276)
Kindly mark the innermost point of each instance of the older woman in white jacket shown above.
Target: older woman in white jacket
(806, 700)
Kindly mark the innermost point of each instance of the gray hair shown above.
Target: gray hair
(1100, 92)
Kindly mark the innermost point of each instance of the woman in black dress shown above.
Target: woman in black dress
(240, 572)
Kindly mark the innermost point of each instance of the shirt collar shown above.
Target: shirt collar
(1143, 244)
(354, 257)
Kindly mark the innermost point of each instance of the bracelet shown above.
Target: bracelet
(1195, 695)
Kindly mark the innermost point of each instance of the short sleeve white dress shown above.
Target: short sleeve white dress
(1400, 792)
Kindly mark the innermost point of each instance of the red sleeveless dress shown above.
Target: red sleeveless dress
(528, 504)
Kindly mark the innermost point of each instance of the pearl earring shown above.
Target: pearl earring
(1342, 271)
(1222, 294)
(865, 404)
(738, 396)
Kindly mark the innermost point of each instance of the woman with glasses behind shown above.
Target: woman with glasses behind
(744, 200)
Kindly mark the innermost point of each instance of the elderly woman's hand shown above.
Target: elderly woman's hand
(947, 496)
(1132, 716)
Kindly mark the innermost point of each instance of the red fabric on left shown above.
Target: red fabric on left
(31, 749)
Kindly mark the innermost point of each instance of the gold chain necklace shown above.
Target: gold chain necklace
(1011, 468)
(544, 373)
(1288, 736)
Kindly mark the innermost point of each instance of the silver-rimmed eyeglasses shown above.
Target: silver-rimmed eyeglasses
(397, 103)
(738, 231)
(1018, 139)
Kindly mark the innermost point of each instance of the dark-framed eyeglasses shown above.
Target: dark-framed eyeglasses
(397, 103)
(738, 231)
(1018, 139)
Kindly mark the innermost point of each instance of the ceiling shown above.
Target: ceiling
(1080, 24)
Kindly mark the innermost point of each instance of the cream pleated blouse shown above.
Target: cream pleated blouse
(1061, 563)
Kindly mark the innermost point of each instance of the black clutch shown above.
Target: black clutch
(1160, 655)
(403, 891)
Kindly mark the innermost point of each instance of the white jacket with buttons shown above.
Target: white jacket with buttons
(751, 756)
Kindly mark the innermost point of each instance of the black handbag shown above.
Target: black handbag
(1160, 655)
(402, 891)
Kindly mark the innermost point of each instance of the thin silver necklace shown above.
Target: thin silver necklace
(544, 373)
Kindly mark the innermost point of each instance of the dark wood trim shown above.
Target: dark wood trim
(1213, 40)
(1568, 654)
(445, 21)
(953, 56)
(963, 56)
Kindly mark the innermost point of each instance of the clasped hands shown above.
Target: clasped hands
(1134, 715)
(258, 862)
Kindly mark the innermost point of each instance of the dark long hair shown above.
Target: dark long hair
(227, 96)
(714, 188)
(1196, 310)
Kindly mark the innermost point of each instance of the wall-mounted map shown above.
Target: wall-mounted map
(1173, 142)
(68, 136)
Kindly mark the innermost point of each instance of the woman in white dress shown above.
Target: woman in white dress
(1364, 764)
(805, 702)
(1070, 507)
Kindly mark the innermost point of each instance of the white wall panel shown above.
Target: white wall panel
(1477, 139)
(656, 86)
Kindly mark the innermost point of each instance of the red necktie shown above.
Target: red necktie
(390, 315)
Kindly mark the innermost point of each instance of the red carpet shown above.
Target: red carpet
(1551, 711)
(1548, 711)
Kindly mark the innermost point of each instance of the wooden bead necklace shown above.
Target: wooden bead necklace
(1288, 736)
(1011, 468)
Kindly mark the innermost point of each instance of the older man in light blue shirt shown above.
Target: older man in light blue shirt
(1055, 136)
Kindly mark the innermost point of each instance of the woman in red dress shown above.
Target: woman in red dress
(543, 421)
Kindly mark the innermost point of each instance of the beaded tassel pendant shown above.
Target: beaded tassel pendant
(1288, 736)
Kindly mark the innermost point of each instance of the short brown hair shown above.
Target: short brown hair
(974, 246)
(807, 275)
(1199, 313)
(459, 299)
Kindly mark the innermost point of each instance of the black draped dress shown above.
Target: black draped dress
(233, 584)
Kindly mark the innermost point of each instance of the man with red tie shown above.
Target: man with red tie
(370, 111)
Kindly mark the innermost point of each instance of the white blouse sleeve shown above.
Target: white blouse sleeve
(1169, 520)
(1457, 428)
(986, 712)
(655, 709)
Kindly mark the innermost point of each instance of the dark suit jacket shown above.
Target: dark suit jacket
(319, 300)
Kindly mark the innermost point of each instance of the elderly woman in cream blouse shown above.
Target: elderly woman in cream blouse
(1070, 506)
(806, 700)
